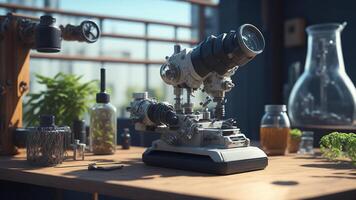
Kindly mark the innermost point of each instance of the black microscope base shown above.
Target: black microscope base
(201, 163)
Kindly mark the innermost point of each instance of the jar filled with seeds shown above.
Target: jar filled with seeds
(103, 123)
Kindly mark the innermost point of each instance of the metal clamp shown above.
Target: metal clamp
(78, 150)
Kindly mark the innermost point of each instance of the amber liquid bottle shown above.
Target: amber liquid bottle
(274, 131)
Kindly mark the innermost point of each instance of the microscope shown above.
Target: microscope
(201, 141)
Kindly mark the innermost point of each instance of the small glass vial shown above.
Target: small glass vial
(126, 139)
(103, 123)
(306, 143)
(274, 131)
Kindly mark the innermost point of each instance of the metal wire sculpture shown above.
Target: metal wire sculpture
(46, 146)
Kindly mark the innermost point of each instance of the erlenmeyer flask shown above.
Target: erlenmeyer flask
(324, 96)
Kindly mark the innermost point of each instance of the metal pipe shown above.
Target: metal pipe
(98, 59)
(155, 39)
(147, 70)
(91, 15)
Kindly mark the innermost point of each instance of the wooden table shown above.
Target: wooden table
(285, 177)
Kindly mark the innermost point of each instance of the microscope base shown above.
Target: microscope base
(213, 161)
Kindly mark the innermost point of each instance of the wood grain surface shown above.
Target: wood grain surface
(286, 177)
(14, 83)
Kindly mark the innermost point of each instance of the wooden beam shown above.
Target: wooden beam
(209, 3)
(89, 15)
(202, 22)
(14, 78)
(156, 39)
(100, 59)
(273, 24)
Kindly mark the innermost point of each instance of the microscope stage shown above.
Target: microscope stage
(213, 161)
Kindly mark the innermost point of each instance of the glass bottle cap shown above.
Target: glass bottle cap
(275, 108)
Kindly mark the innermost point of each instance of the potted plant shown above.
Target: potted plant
(294, 140)
(65, 97)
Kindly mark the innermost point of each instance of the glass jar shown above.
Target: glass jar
(306, 143)
(324, 95)
(103, 129)
(274, 130)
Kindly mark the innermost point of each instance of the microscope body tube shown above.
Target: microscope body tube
(211, 64)
(190, 67)
(151, 113)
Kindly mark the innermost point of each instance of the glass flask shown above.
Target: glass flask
(274, 130)
(323, 95)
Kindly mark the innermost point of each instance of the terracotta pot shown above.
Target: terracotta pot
(293, 144)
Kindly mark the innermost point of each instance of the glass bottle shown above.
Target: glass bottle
(274, 130)
(324, 94)
(126, 139)
(306, 143)
(103, 122)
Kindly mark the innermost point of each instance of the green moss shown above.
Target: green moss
(296, 133)
(339, 145)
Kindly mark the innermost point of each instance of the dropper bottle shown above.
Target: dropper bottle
(103, 122)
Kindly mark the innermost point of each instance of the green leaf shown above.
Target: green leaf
(65, 96)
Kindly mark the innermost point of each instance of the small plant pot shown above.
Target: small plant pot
(293, 144)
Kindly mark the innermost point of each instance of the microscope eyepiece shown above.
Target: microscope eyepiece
(252, 39)
(227, 50)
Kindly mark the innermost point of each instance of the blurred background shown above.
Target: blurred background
(138, 34)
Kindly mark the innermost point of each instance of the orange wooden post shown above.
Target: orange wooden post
(14, 82)
(17, 36)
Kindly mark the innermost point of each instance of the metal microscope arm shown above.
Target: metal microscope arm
(46, 37)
